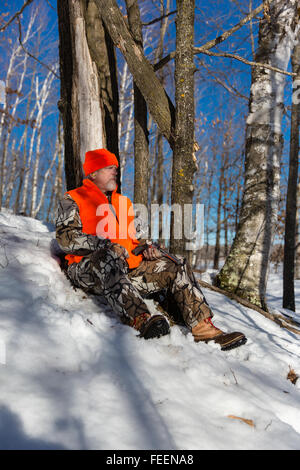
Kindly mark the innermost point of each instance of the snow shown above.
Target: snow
(74, 377)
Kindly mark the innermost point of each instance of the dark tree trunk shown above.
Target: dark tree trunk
(291, 202)
(89, 100)
(73, 167)
(183, 162)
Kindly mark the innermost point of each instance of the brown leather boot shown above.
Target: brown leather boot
(206, 331)
(151, 326)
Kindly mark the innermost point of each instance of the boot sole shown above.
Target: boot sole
(156, 327)
(227, 341)
(235, 344)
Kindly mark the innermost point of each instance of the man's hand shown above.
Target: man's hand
(152, 253)
(119, 250)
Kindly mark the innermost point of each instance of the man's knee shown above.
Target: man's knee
(108, 262)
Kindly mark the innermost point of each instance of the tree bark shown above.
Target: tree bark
(141, 140)
(25, 136)
(246, 269)
(291, 201)
(297, 263)
(218, 229)
(103, 54)
(183, 163)
(80, 95)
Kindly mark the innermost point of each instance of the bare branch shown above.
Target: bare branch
(251, 30)
(50, 5)
(199, 50)
(217, 40)
(164, 61)
(230, 88)
(156, 20)
(226, 34)
(16, 15)
(31, 55)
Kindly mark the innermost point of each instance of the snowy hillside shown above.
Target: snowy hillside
(73, 377)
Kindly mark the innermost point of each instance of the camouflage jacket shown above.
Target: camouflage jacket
(69, 233)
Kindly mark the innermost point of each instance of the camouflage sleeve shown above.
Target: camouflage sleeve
(69, 234)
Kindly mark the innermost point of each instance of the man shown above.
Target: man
(90, 230)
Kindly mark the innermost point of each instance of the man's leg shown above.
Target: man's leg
(105, 273)
(152, 276)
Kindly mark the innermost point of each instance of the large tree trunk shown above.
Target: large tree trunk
(246, 268)
(159, 153)
(80, 95)
(291, 202)
(103, 54)
(141, 141)
(183, 163)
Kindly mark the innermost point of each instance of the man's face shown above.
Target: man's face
(106, 178)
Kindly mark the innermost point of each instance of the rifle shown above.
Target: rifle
(143, 246)
(148, 244)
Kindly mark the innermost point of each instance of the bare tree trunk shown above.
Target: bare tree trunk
(80, 95)
(183, 163)
(291, 201)
(12, 176)
(160, 180)
(297, 268)
(237, 206)
(141, 141)
(159, 140)
(125, 116)
(208, 211)
(6, 137)
(28, 164)
(29, 115)
(57, 154)
(218, 230)
(41, 99)
(225, 218)
(102, 53)
(246, 269)
(158, 102)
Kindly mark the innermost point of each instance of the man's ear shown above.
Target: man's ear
(92, 175)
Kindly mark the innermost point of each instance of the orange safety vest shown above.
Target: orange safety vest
(98, 219)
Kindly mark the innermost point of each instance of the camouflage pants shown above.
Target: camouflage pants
(104, 273)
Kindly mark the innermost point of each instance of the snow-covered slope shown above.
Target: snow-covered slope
(73, 377)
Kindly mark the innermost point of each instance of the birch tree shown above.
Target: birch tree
(246, 269)
(126, 111)
(41, 97)
(9, 113)
(297, 254)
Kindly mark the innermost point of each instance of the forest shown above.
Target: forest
(199, 102)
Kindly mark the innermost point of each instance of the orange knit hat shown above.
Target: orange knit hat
(97, 159)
